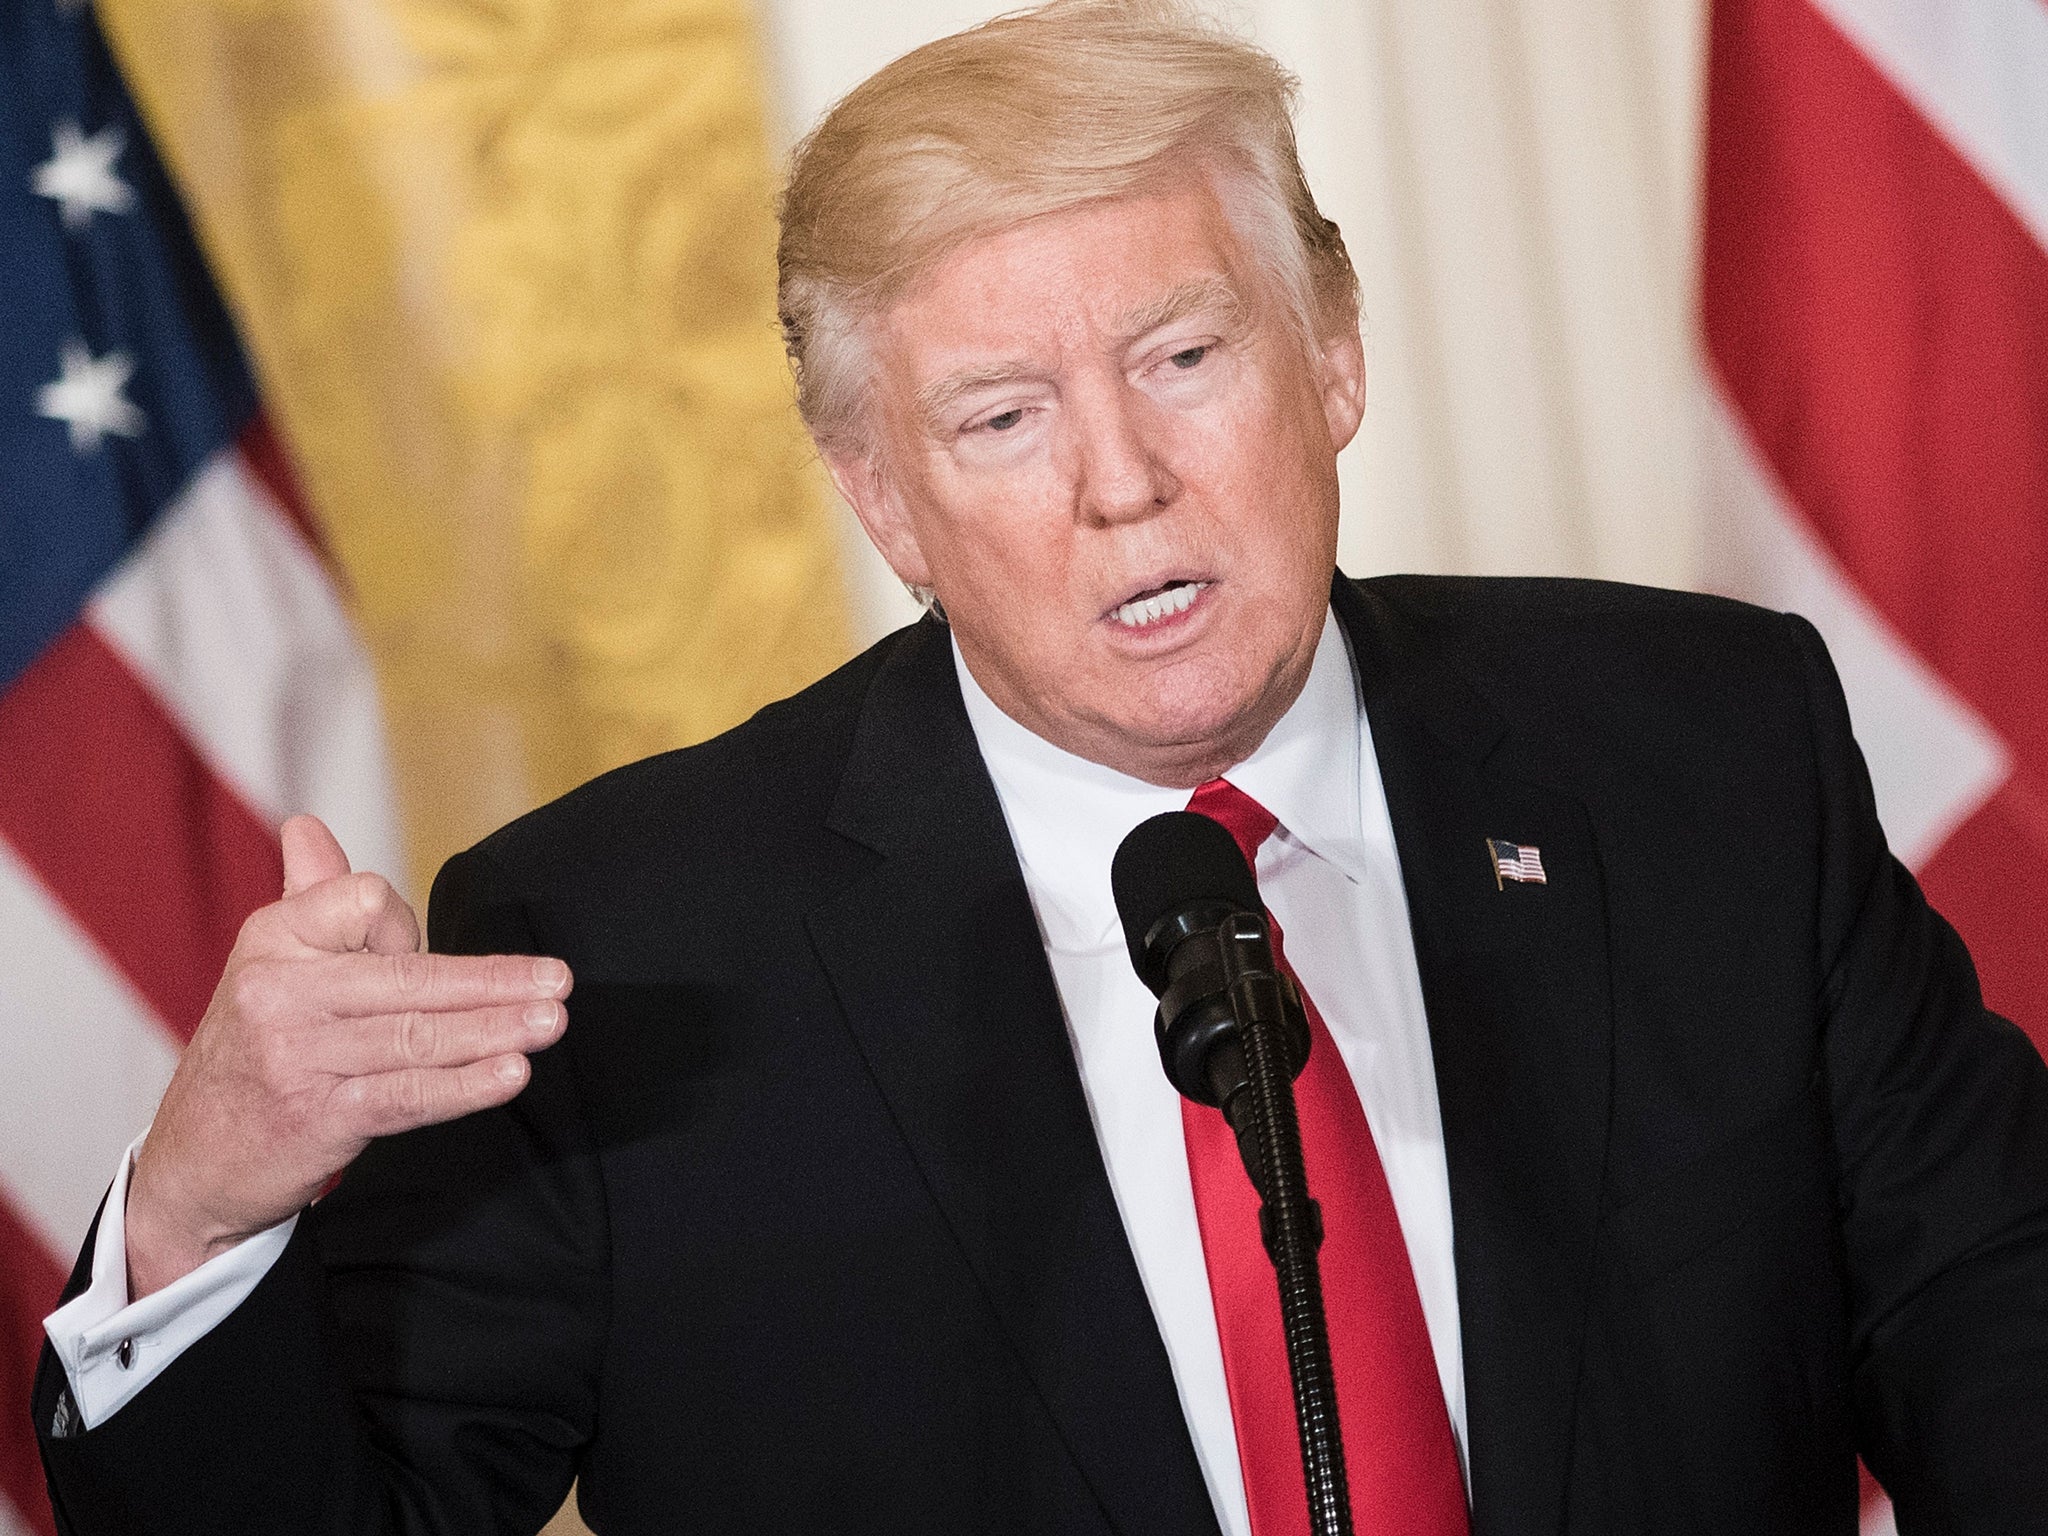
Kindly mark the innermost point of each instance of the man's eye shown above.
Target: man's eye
(1006, 420)
(1187, 357)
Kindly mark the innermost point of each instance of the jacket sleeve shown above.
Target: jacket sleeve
(422, 1358)
(1940, 1117)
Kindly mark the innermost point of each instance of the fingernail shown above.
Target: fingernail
(512, 1068)
(549, 975)
(540, 1018)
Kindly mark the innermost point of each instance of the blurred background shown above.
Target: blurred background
(393, 425)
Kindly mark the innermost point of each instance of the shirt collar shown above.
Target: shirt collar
(1067, 815)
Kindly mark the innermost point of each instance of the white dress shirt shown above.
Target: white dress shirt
(1332, 880)
(112, 1349)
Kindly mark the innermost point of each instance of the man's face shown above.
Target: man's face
(1098, 440)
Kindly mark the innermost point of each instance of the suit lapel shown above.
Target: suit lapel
(936, 958)
(1515, 984)
(938, 964)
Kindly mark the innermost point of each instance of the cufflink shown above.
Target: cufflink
(124, 1354)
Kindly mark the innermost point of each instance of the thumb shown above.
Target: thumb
(311, 854)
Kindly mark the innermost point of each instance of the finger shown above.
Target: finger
(365, 986)
(311, 854)
(397, 1042)
(389, 1102)
(394, 928)
(346, 914)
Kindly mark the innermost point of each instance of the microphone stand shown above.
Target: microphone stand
(1254, 1082)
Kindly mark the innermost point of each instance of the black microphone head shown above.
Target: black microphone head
(1169, 864)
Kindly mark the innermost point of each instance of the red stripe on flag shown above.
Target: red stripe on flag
(1987, 879)
(147, 849)
(30, 1283)
(1880, 318)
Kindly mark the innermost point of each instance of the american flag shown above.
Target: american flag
(1874, 299)
(177, 672)
(1516, 861)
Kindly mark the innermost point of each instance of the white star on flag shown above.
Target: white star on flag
(87, 397)
(80, 175)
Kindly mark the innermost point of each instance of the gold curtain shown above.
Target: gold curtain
(506, 270)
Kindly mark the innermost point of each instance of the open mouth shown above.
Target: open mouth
(1158, 604)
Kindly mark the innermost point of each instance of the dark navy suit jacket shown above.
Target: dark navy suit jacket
(803, 1227)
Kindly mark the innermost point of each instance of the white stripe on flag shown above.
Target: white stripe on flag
(235, 625)
(1977, 70)
(12, 1524)
(83, 1062)
(1933, 760)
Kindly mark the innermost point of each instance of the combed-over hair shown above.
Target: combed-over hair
(1029, 114)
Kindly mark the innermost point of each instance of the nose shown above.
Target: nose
(1123, 473)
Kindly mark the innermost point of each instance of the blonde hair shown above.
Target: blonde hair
(1030, 114)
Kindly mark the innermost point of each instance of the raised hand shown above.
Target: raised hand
(328, 1028)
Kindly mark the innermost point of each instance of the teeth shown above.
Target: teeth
(1150, 610)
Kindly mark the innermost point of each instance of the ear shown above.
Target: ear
(1340, 378)
(859, 478)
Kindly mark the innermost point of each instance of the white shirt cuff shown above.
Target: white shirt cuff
(111, 1349)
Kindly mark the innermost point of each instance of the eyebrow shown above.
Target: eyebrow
(933, 399)
(1210, 294)
(1199, 295)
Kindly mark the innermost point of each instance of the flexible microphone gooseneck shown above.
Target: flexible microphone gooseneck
(1233, 1035)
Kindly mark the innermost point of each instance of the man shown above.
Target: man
(1682, 1160)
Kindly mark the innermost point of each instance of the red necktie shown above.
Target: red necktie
(1398, 1450)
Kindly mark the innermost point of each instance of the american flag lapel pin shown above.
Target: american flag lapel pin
(1520, 862)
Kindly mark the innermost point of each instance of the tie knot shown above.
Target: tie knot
(1238, 814)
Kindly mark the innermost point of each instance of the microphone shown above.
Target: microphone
(1233, 1034)
(1200, 940)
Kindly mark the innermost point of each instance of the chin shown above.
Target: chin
(1180, 710)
